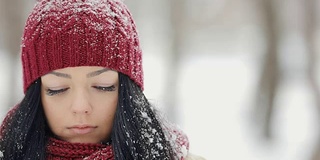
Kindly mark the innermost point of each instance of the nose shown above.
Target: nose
(81, 103)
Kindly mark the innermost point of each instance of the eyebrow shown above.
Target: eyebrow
(98, 72)
(63, 75)
(89, 75)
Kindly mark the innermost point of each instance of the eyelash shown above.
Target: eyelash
(51, 92)
(105, 89)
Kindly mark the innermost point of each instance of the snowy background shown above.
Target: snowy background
(217, 80)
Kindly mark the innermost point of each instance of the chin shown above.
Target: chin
(83, 140)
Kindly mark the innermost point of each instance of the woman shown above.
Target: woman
(83, 84)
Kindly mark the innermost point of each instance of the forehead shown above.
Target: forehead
(81, 68)
(79, 73)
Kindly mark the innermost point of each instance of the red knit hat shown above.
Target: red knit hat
(69, 33)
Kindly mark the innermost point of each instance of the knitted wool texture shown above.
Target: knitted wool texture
(61, 150)
(70, 33)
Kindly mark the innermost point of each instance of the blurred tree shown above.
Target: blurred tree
(179, 27)
(309, 33)
(13, 19)
(270, 74)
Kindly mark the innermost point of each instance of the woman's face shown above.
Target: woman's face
(80, 103)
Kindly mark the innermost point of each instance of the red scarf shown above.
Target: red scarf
(61, 150)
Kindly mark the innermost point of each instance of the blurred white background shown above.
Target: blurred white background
(239, 76)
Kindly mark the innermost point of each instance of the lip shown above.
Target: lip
(82, 129)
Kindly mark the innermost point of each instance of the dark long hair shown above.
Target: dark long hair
(23, 133)
(136, 134)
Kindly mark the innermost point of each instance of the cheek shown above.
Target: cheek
(109, 99)
(105, 103)
(55, 115)
(104, 113)
(105, 107)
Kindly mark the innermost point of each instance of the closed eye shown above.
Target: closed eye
(105, 89)
(52, 92)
